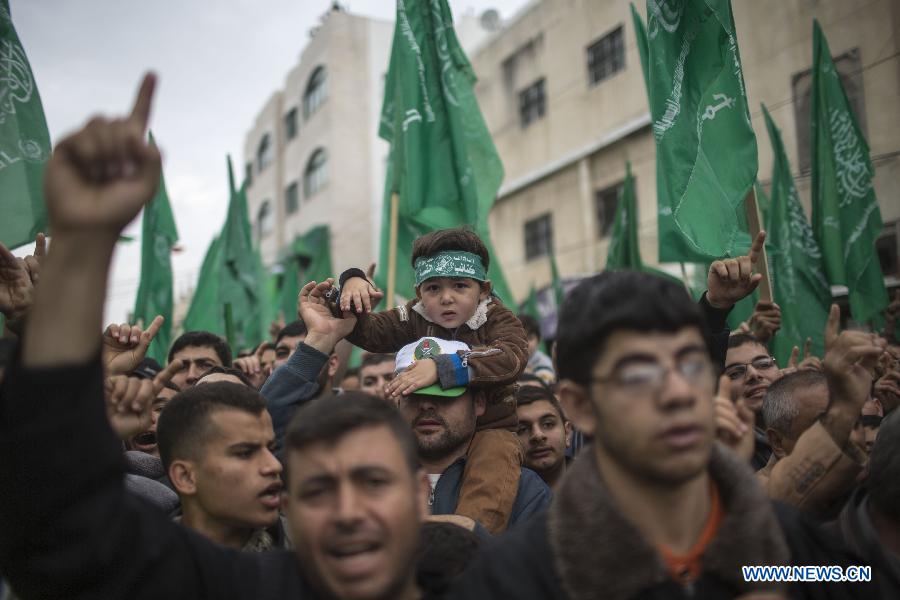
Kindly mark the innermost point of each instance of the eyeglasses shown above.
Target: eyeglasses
(650, 376)
(735, 372)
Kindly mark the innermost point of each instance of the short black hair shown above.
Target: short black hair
(228, 371)
(529, 394)
(530, 325)
(202, 339)
(444, 552)
(613, 301)
(736, 340)
(330, 417)
(263, 347)
(371, 359)
(883, 482)
(184, 425)
(292, 329)
(457, 238)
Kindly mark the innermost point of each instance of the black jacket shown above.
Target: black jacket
(584, 548)
(68, 528)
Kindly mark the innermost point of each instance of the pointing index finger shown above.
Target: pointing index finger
(757, 247)
(166, 375)
(140, 113)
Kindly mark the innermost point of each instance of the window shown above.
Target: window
(315, 176)
(606, 56)
(532, 103)
(888, 250)
(248, 173)
(291, 199)
(849, 66)
(606, 202)
(290, 124)
(265, 219)
(316, 92)
(538, 237)
(264, 153)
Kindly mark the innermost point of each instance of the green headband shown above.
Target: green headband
(450, 264)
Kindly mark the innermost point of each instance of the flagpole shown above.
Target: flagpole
(754, 221)
(392, 250)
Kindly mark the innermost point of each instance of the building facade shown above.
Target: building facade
(312, 156)
(562, 92)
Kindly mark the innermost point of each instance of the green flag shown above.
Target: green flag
(154, 296)
(800, 287)
(24, 142)
(624, 249)
(705, 147)
(205, 312)
(309, 259)
(241, 283)
(443, 164)
(845, 215)
(559, 293)
(640, 34)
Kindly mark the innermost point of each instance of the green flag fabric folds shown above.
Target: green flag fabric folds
(705, 147)
(154, 296)
(845, 214)
(309, 259)
(231, 281)
(443, 164)
(640, 34)
(800, 287)
(24, 142)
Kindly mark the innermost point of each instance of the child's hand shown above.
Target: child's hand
(421, 373)
(361, 293)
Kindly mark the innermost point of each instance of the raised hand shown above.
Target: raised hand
(125, 346)
(16, 287)
(129, 400)
(361, 293)
(765, 321)
(849, 365)
(325, 329)
(98, 179)
(734, 421)
(733, 279)
(832, 327)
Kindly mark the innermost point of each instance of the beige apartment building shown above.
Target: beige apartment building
(563, 95)
(312, 156)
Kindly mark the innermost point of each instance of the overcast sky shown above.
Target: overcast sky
(217, 62)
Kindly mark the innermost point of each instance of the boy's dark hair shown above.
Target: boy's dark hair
(529, 378)
(445, 551)
(530, 325)
(614, 301)
(202, 339)
(330, 417)
(264, 346)
(185, 426)
(883, 482)
(375, 358)
(229, 371)
(458, 238)
(292, 329)
(736, 340)
(529, 394)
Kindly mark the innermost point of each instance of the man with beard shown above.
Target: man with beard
(544, 432)
(443, 422)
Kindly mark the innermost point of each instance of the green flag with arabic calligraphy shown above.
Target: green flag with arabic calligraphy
(800, 287)
(705, 146)
(845, 214)
(24, 142)
(443, 164)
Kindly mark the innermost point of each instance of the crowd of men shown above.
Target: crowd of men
(655, 455)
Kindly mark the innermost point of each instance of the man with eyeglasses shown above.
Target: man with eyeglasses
(654, 508)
